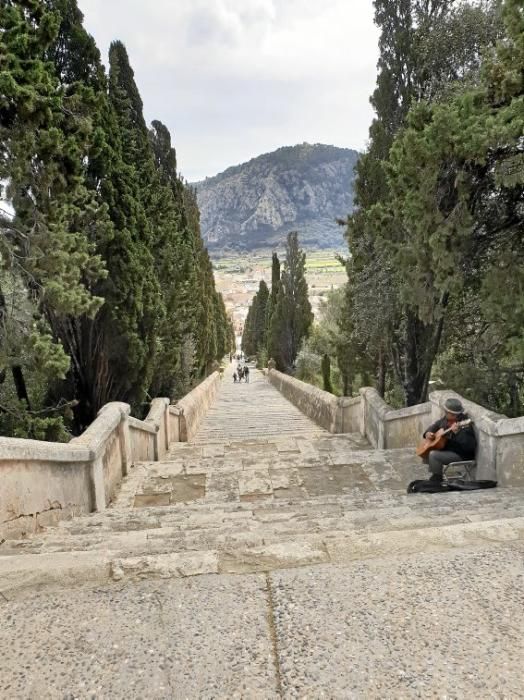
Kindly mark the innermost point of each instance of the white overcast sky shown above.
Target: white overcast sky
(236, 78)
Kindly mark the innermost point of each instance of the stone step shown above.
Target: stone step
(375, 510)
(254, 409)
(195, 527)
(23, 574)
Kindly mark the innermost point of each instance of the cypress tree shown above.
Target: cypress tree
(292, 318)
(112, 354)
(248, 336)
(326, 373)
(272, 301)
(94, 186)
(45, 130)
(254, 336)
(260, 332)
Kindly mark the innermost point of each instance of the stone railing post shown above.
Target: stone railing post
(97, 480)
(174, 433)
(124, 437)
(182, 425)
(363, 408)
(167, 426)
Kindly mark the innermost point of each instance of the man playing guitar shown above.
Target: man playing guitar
(461, 442)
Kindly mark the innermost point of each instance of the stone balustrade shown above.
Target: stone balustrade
(500, 452)
(336, 414)
(194, 406)
(43, 482)
(387, 428)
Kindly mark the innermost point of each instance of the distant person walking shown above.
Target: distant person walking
(235, 379)
(246, 374)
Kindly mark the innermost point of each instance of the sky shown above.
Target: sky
(232, 79)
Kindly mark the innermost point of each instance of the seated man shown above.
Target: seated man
(461, 442)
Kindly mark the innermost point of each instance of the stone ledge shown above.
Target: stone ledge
(138, 424)
(327, 410)
(108, 419)
(193, 407)
(19, 450)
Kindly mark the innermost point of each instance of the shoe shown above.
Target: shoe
(436, 478)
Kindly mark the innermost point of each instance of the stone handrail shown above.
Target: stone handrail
(43, 482)
(389, 428)
(193, 407)
(336, 414)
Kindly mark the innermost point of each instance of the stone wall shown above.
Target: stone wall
(43, 482)
(388, 428)
(194, 406)
(336, 414)
(143, 440)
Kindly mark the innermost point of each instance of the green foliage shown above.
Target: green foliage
(326, 373)
(262, 358)
(292, 317)
(113, 295)
(254, 335)
(438, 188)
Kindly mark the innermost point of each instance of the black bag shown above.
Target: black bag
(427, 486)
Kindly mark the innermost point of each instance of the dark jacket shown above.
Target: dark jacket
(464, 443)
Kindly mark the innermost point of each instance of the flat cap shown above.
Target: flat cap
(453, 406)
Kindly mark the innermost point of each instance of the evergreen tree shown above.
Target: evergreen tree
(292, 317)
(112, 355)
(248, 335)
(384, 310)
(254, 335)
(326, 373)
(456, 178)
(260, 316)
(45, 253)
(272, 301)
(91, 186)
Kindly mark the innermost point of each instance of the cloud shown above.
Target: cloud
(235, 78)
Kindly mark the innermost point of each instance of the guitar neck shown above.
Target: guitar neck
(461, 425)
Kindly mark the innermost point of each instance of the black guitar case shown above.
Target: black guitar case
(427, 486)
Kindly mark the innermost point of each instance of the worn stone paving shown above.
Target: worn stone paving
(251, 410)
(281, 564)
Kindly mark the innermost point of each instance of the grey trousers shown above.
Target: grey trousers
(438, 458)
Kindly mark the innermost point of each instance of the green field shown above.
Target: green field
(317, 261)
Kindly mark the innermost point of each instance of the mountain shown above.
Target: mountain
(255, 205)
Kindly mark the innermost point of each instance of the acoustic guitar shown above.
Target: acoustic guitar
(440, 439)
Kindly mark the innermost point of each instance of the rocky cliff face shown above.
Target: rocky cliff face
(255, 205)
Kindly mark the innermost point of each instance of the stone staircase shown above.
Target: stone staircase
(322, 542)
(261, 504)
(246, 411)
